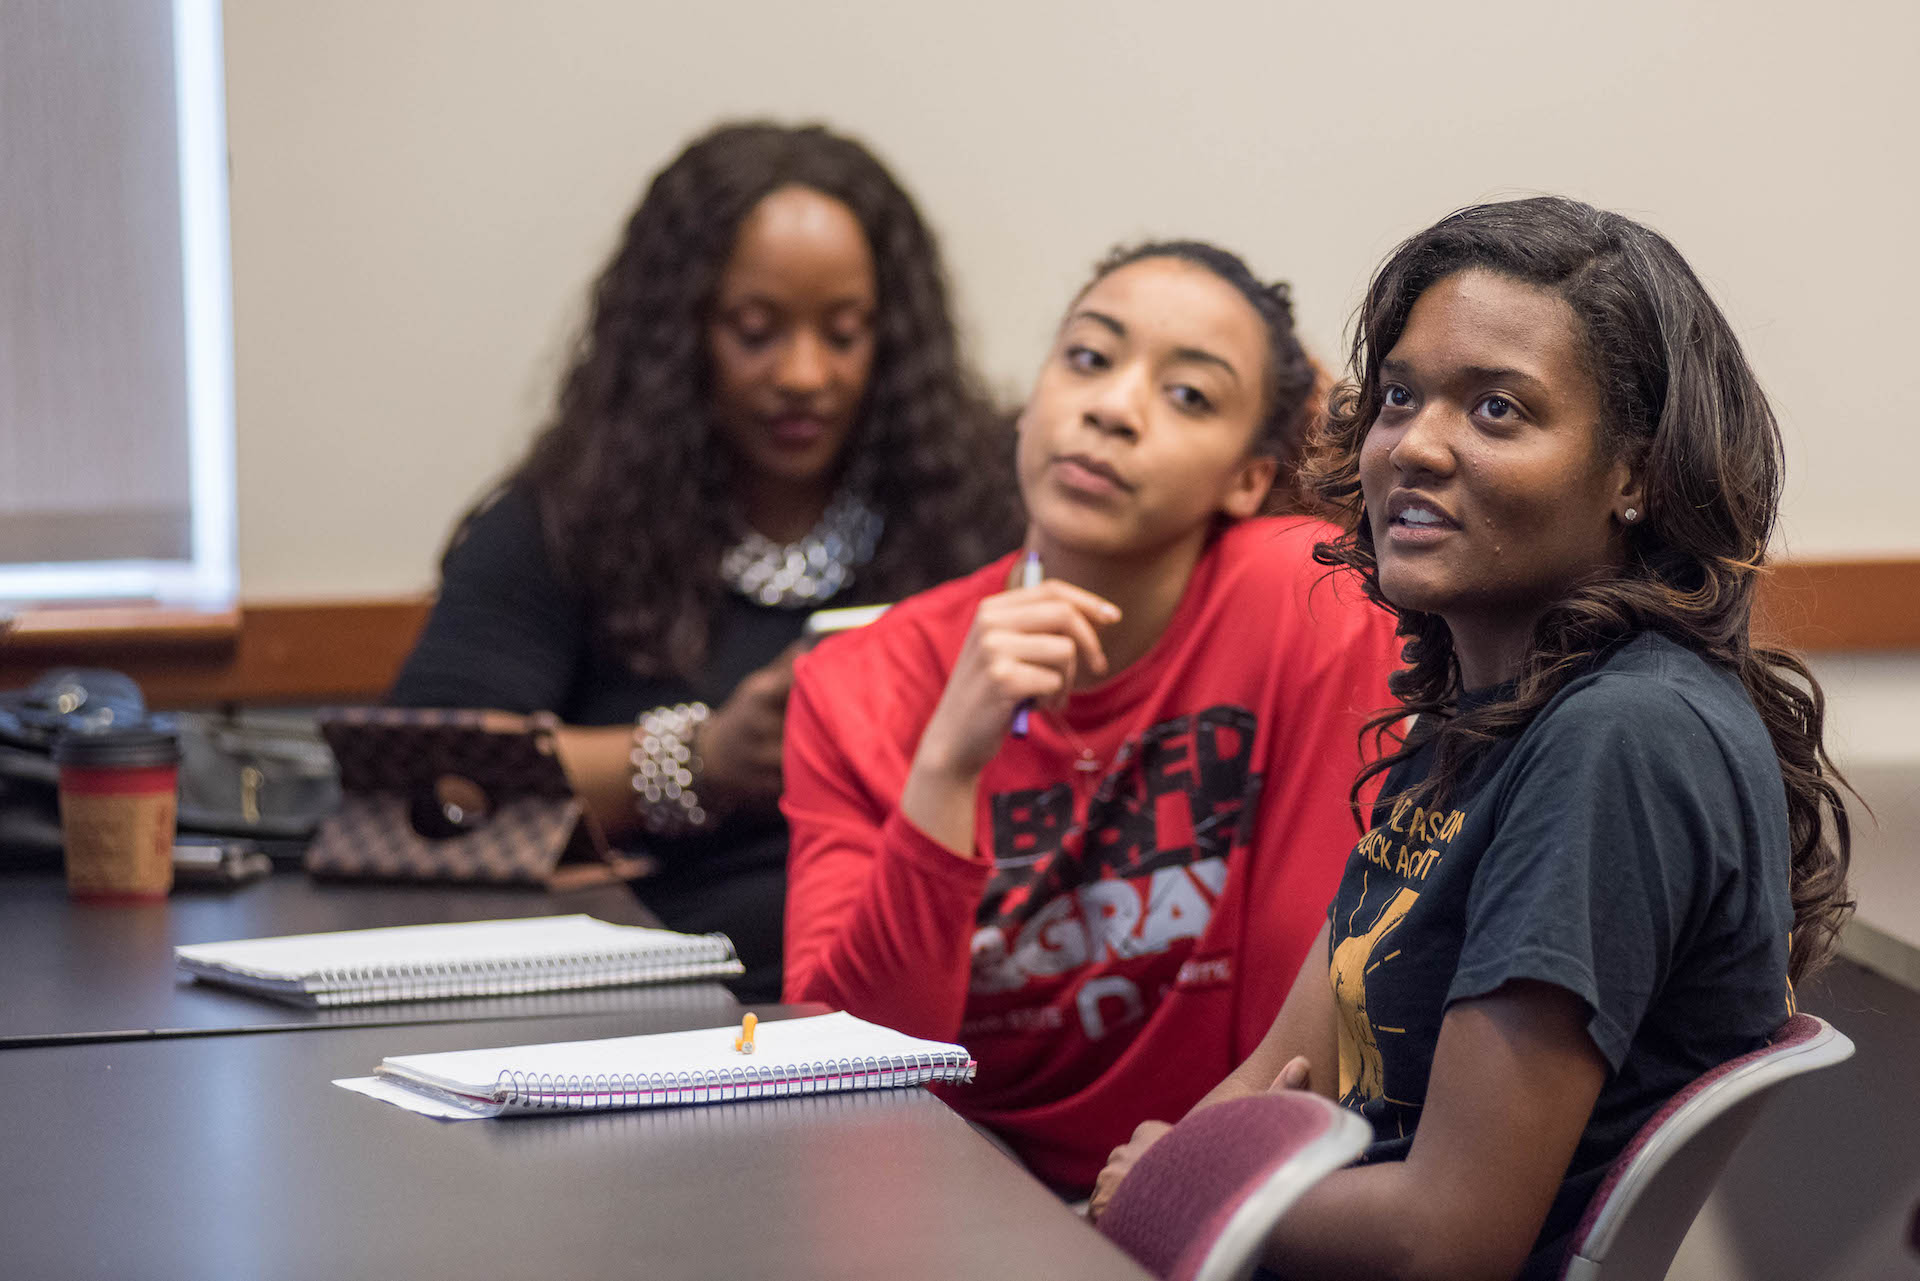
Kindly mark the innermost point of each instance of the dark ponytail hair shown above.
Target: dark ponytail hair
(1679, 399)
(1292, 379)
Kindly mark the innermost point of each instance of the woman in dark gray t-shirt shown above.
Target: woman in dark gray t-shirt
(1610, 838)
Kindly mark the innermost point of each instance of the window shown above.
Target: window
(116, 343)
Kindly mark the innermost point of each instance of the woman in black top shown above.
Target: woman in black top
(1612, 839)
(766, 414)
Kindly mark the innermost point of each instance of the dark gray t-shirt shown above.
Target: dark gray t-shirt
(1630, 846)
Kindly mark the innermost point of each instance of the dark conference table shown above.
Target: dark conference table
(234, 1156)
(82, 971)
(139, 1141)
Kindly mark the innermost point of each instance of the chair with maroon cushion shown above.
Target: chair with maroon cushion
(1201, 1201)
(1642, 1211)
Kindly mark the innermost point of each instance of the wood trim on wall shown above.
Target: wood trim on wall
(1841, 606)
(349, 651)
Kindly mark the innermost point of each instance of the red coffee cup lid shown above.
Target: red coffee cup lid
(119, 747)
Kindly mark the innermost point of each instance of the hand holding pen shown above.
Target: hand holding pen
(1027, 648)
(1027, 644)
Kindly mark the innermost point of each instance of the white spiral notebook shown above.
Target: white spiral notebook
(473, 958)
(823, 1054)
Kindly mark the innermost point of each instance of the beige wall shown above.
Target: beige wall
(422, 188)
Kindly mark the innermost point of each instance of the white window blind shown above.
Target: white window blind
(116, 367)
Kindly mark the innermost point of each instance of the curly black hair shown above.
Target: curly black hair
(1679, 398)
(635, 492)
(1294, 388)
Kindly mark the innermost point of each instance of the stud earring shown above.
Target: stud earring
(1631, 515)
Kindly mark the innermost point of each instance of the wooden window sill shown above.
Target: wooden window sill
(118, 627)
(286, 654)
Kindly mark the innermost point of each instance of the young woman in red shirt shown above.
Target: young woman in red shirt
(1107, 909)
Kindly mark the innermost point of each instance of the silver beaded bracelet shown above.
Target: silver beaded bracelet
(665, 767)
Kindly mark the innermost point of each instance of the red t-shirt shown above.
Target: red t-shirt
(1125, 934)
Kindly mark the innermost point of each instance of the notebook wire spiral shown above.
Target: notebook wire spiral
(546, 1092)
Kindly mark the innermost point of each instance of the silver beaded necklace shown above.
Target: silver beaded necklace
(812, 569)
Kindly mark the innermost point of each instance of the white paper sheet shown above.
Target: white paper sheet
(388, 1090)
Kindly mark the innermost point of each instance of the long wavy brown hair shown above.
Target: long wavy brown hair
(1678, 396)
(633, 486)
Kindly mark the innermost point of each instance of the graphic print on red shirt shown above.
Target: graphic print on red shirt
(1121, 935)
(1132, 878)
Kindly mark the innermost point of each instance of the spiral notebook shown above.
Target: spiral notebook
(823, 1054)
(474, 958)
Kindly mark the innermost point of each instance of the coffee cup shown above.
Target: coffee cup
(119, 788)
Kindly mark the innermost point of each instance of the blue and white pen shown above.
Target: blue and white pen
(1030, 576)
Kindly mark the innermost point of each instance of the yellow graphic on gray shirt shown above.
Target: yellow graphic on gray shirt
(1360, 1071)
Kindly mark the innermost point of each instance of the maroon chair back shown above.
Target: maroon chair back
(1643, 1209)
(1201, 1202)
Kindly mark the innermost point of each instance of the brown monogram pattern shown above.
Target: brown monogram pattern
(535, 832)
